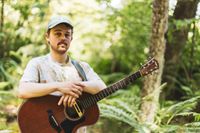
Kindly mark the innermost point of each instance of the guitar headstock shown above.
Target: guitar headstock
(149, 67)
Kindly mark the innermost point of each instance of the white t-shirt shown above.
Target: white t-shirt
(43, 70)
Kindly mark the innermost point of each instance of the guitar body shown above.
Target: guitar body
(35, 113)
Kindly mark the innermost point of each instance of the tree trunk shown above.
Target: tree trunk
(2, 45)
(2, 15)
(151, 89)
(176, 41)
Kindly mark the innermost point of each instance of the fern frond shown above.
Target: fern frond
(168, 129)
(122, 105)
(113, 112)
(187, 114)
(178, 129)
(179, 108)
(193, 124)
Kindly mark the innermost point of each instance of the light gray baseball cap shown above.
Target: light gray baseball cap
(58, 20)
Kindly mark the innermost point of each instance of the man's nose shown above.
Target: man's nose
(63, 37)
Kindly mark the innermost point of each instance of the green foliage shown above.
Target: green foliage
(125, 38)
(123, 106)
(114, 50)
(111, 78)
(118, 114)
(4, 85)
(188, 76)
(178, 109)
(173, 117)
(18, 31)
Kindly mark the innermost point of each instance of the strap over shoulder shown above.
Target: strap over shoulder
(79, 69)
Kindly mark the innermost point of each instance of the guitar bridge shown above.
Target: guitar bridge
(78, 110)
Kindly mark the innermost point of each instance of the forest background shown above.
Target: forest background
(114, 37)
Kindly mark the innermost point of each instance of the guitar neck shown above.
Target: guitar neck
(92, 99)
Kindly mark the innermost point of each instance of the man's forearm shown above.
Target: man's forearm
(94, 86)
(28, 90)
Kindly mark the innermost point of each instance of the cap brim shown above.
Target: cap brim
(55, 24)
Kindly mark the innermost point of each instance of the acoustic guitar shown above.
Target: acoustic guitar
(43, 115)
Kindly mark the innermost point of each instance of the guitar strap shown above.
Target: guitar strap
(79, 69)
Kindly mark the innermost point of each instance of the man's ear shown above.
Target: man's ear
(72, 34)
(47, 37)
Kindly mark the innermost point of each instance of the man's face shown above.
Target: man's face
(59, 38)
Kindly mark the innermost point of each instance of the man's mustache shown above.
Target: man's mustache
(62, 42)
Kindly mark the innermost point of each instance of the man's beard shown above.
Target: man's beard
(58, 50)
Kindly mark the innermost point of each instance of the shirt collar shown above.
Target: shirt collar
(67, 63)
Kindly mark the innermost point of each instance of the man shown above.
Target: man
(54, 73)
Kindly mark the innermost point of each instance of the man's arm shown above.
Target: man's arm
(93, 86)
(94, 83)
(29, 89)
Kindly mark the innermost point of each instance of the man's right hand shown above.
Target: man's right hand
(71, 88)
(67, 100)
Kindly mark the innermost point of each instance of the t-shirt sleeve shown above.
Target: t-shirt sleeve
(90, 73)
(31, 72)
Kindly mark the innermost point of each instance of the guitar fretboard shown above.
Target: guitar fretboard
(92, 99)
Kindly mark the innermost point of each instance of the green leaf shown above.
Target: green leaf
(3, 85)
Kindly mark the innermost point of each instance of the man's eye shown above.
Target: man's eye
(67, 35)
(58, 34)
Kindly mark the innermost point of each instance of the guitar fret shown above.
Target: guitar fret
(93, 100)
(104, 93)
(132, 78)
(98, 97)
(111, 90)
(107, 92)
(119, 85)
(83, 104)
(115, 87)
(101, 94)
(89, 100)
(123, 82)
(128, 80)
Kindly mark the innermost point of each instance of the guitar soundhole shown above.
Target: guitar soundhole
(74, 113)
